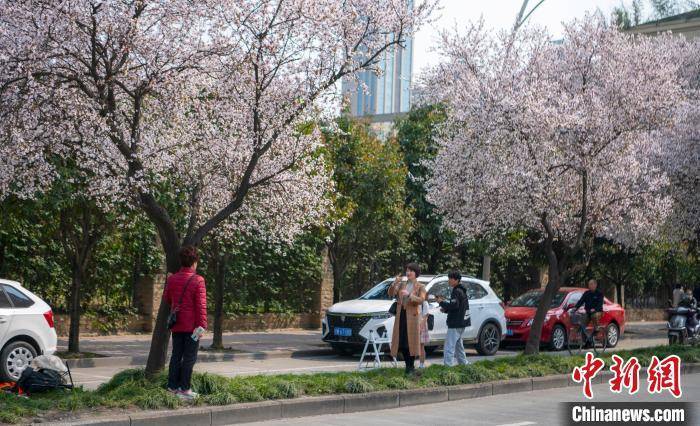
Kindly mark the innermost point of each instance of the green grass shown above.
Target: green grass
(131, 389)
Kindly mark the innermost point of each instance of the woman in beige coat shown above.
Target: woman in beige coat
(409, 297)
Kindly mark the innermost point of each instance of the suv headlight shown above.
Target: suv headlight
(529, 322)
(381, 315)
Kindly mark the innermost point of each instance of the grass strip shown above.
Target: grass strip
(130, 389)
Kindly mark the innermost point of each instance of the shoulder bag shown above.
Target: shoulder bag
(172, 318)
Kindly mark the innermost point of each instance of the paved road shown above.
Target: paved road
(92, 377)
(139, 344)
(521, 409)
(277, 340)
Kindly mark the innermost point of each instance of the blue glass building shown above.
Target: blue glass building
(389, 91)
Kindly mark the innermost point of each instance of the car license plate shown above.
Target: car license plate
(342, 331)
(509, 332)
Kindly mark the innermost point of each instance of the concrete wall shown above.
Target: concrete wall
(645, 315)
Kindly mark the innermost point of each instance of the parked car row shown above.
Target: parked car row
(347, 324)
(27, 328)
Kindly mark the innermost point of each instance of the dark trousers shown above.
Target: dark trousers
(182, 361)
(403, 342)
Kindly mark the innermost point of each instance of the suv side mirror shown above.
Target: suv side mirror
(569, 306)
(432, 298)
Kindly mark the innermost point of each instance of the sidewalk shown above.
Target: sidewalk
(137, 345)
(286, 342)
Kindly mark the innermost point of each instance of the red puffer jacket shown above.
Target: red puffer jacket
(192, 313)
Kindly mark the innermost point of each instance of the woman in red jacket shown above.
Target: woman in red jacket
(186, 292)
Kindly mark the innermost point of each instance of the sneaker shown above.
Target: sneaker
(421, 366)
(188, 394)
(174, 391)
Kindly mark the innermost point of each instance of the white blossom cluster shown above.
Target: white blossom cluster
(214, 102)
(559, 136)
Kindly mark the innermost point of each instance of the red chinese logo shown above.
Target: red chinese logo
(665, 375)
(626, 374)
(587, 372)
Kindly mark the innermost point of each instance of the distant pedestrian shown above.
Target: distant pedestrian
(186, 294)
(677, 295)
(688, 300)
(457, 309)
(410, 295)
(424, 332)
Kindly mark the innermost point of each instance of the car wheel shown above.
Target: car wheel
(612, 334)
(15, 357)
(558, 341)
(489, 339)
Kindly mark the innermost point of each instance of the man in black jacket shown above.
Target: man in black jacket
(457, 309)
(592, 302)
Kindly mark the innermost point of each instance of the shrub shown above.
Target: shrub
(119, 379)
(244, 392)
(221, 398)
(448, 378)
(398, 383)
(358, 385)
(157, 398)
(208, 384)
(287, 389)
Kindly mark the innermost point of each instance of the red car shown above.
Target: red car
(521, 311)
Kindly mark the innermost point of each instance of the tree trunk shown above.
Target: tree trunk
(533, 341)
(337, 271)
(219, 281)
(74, 330)
(158, 353)
(486, 268)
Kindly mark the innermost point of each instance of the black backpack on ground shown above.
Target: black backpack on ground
(34, 381)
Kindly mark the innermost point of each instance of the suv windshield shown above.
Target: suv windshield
(378, 292)
(532, 299)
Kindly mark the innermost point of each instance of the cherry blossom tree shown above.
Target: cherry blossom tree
(681, 161)
(557, 137)
(198, 113)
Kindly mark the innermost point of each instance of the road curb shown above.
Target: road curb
(380, 401)
(512, 386)
(140, 360)
(422, 396)
(313, 406)
(337, 404)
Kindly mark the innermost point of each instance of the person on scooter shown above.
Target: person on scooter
(688, 301)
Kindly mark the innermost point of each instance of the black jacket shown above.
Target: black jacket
(592, 301)
(457, 308)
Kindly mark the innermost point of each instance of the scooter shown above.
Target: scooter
(683, 327)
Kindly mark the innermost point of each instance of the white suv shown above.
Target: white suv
(26, 329)
(346, 325)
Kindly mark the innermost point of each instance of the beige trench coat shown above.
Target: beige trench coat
(416, 299)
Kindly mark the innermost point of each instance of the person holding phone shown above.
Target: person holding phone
(457, 309)
(409, 295)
